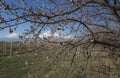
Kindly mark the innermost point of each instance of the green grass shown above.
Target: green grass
(34, 64)
(15, 66)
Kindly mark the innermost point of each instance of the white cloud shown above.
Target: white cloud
(56, 35)
(13, 35)
(47, 34)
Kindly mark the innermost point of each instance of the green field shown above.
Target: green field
(55, 61)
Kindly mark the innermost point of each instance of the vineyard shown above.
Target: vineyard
(51, 60)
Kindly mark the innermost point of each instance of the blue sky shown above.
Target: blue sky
(20, 29)
(5, 33)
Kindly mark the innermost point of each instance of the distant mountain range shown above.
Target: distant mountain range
(45, 36)
(50, 39)
(9, 39)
